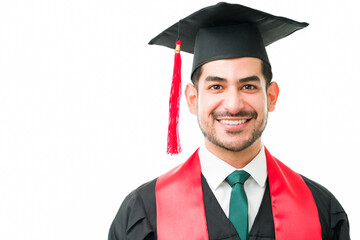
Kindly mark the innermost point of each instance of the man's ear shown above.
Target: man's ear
(272, 95)
(191, 98)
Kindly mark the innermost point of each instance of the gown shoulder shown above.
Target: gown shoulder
(136, 218)
(333, 218)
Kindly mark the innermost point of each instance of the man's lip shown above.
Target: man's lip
(233, 118)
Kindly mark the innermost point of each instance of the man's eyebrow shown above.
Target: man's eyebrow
(250, 79)
(242, 80)
(215, 79)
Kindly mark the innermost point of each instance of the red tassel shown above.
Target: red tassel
(173, 141)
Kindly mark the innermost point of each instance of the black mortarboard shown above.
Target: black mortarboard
(226, 31)
(221, 31)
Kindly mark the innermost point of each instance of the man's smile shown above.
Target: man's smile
(233, 122)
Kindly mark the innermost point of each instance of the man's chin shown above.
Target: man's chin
(233, 147)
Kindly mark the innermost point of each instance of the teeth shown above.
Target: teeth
(233, 122)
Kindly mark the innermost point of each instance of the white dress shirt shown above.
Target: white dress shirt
(216, 170)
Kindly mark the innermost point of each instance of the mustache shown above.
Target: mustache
(242, 113)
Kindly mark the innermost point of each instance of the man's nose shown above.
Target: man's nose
(233, 101)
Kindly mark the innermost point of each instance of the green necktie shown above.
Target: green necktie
(238, 202)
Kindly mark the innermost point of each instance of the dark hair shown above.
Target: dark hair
(196, 76)
(265, 70)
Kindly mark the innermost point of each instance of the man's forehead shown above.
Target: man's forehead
(227, 69)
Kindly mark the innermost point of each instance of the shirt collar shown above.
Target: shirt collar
(216, 170)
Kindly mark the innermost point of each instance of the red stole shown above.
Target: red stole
(181, 213)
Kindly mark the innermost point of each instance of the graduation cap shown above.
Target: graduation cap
(221, 31)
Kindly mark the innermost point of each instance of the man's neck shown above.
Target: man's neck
(236, 159)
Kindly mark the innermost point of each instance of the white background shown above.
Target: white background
(84, 104)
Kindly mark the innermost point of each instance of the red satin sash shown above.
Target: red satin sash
(181, 213)
(294, 210)
(180, 210)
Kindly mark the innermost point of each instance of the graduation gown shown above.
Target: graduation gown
(136, 218)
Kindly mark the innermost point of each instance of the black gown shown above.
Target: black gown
(136, 218)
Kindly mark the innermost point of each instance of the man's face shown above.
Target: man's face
(232, 102)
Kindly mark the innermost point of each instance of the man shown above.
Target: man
(232, 188)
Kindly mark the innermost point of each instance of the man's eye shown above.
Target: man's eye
(249, 87)
(216, 87)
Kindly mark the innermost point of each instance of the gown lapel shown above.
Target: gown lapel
(263, 227)
(220, 227)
